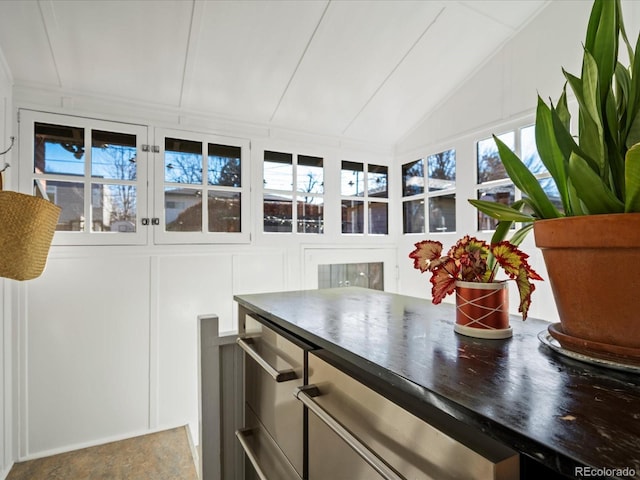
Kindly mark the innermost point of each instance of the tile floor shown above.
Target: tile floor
(163, 455)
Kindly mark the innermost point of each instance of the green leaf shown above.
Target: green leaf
(501, 212)
(576, 205)
(590, 188)
(549, 150)
(562, 110)
(602, 43)
(590, 135)
(623, 33)
(632, 179)
(521, 234)
(593, 98)
(522, 177)
(633, 123)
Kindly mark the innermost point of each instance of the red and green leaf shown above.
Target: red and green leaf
(443, 280)
(425, 252)
(525, 289)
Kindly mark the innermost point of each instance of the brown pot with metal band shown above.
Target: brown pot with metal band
(482, 309)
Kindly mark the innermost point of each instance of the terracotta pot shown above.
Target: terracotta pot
(592, 265)
(482, 309)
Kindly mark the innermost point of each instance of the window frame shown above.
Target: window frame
(426, 195)
(161, 235)
(365, 198)
(293, 192)
(27, 122)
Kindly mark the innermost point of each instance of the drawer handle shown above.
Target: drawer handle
(305, 394)
(242, 437)
(278, 375)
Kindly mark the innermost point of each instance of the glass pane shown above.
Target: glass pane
(310, 212)
(182, 209)
(366, 275)
(58, 149)
(182, 161)
(223, 165)
(278, 171)
(442, 170)
(413, 216)
(113, 208)
(278, 213)
(489, 165)
(113, 155)
(310, 176)
(224, 211)
(352, 180)
(378, 218)
(413, 178)
(529, 150)
(442, 214)
(504, 194)
(68, 196)
(377, 181)
(352, 216)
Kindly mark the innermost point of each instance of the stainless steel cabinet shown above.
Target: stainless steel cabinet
(356, 434)
(273, 437)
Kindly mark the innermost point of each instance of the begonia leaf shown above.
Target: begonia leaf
(443, 281)
(425, 252)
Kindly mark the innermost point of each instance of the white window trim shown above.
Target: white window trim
(27, 120)
(161, 236)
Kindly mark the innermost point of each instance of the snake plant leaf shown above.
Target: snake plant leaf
(592, 191)
(632, 179)
(590, 130)
(633, 121)
(500, 211)
(576, 205)
(504, 226)
(602, 42)
(562, 110)
(519, 235)
(549, 149)
(526, 182)
(623, 34)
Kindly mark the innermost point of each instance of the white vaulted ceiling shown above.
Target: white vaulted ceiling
(365, 70)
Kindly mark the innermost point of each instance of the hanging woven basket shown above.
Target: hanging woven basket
(27, 225)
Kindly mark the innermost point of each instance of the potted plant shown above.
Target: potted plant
(591, 244)
(470, 268)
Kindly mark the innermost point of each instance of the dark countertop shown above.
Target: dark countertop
(561, 412)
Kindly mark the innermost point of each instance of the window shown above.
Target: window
(95, 171)
(365, 198)
(493, 183)
(293, 193)
(202, 188)
(439, 197)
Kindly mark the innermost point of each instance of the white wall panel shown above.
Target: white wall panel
(7, 447)
(86, 363)
(188, 286)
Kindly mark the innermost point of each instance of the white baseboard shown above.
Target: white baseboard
(5, 472)
(102, 441)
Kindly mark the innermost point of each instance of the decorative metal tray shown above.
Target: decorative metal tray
(554, 345)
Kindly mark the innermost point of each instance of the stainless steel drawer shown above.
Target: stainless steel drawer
(263, 453)
(274, 367)
(378, 439)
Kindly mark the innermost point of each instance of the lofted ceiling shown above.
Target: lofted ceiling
(363, 70)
